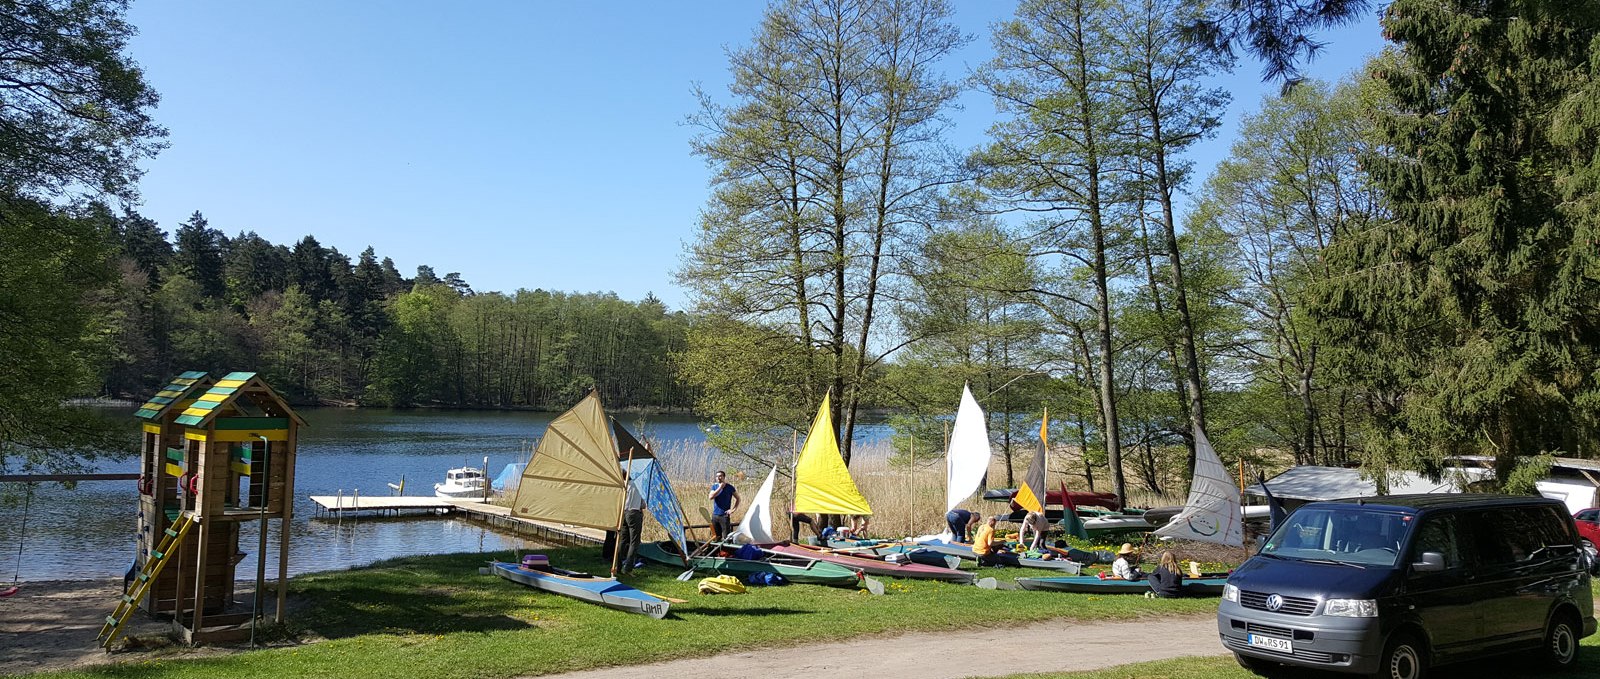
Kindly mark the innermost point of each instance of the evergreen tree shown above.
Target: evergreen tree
(198, 252)
(145, 244)
(309, 269)
(252, 268)
(1472, 318)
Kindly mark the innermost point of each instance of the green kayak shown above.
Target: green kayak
(792, 568)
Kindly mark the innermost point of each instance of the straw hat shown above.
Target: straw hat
(1127, 548)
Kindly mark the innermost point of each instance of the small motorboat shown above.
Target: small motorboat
(463, 483)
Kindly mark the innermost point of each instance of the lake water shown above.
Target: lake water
(89, 532)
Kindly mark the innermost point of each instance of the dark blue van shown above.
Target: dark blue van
(1391, 586)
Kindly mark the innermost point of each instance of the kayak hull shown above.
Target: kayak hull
(964, 551)
(1089, 584)
(604, 591)
(876, 566)
(808, 570)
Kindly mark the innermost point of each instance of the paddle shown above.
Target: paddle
(987, 583)
(873, 584)
(664, 598)
(693, 558)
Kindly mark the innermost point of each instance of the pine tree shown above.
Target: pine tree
(198, 254)
(1473, 317)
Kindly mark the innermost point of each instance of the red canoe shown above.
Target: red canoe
(872, 566)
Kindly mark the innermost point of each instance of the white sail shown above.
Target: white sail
(967, 459)
(1211, 513)
(757, 523)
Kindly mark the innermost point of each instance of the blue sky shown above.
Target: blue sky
(502, 140)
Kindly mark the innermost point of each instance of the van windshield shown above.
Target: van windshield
(1352, 535)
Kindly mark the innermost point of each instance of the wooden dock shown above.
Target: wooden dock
(494, 515)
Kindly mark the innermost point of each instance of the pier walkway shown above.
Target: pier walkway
(492, 514)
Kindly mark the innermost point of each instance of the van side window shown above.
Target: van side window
(1548, 528)
(1519, 535)
(1439, 535)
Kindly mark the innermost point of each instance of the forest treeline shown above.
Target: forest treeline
(325, 329)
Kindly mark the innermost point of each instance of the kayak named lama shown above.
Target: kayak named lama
(535, 571)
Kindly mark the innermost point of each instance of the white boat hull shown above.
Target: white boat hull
(464, 494)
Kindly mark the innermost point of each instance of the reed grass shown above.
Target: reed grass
(907, 495)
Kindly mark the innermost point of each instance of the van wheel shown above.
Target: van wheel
(1258, 667)
(1560, 648)
(1403, 658)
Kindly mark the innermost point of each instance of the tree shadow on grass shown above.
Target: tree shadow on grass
(356, 610)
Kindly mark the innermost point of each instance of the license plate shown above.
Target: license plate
(1271, 644)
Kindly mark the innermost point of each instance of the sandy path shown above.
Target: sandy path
(52, 625)
(1055, 646)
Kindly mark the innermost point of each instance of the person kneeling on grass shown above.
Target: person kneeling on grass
(988, 550)
(1167, 580)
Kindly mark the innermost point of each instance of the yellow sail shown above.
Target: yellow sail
(574, 476)
(822, 482)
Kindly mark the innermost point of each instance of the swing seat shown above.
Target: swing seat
(9, 591)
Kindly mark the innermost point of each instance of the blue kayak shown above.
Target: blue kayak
(1090, 584)
(604, 591)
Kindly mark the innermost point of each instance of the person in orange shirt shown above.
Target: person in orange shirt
(988, 551)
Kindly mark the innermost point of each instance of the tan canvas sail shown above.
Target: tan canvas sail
(574, 476)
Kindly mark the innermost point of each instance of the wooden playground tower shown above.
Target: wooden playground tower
(215, 453)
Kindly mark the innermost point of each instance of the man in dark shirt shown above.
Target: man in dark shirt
(724, 499)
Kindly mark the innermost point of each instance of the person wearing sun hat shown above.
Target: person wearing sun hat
(1126, 567)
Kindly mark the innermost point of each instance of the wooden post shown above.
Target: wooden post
(616, 547)
(285, 518)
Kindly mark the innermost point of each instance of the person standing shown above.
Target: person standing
(724, 499)
(959, 521)
(632, 527)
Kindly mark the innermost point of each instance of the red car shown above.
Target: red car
(1588, 522)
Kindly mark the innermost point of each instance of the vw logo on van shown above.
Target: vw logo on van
(1274, 602)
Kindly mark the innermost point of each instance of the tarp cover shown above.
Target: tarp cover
(757, 523)
(967, 460)
(1312, 483)
(574, 477)
(822, 482)
(659, 498)
(1212, 512)
(509, 476)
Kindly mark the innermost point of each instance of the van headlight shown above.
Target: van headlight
(1351, 608)
(1230, 593)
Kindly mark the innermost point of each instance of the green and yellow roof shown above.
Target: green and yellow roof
(175, 391)
(229, 389)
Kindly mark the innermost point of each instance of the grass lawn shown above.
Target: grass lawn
(435, 616)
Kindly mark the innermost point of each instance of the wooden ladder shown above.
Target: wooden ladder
(152, 569)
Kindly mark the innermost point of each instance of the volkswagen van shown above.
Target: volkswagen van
(1392, 586)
